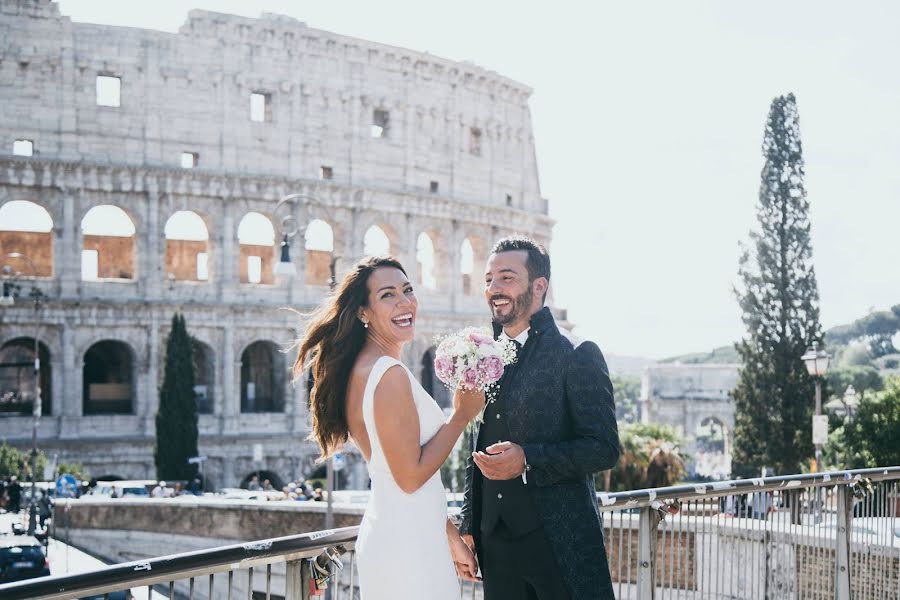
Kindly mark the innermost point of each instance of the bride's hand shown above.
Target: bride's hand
(463, 559)
(468, 403)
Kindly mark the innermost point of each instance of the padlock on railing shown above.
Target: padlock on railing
(862, 488)
(666, 508)
(324, 567)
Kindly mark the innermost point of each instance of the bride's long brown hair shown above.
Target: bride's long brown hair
(334, 338)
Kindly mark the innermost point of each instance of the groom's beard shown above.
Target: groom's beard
(517, 307)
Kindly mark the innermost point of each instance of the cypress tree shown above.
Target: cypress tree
(779, 298)
(176, 420)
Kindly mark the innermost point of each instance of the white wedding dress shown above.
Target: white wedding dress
(402, 549)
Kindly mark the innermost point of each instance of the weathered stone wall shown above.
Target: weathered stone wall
(190, 92)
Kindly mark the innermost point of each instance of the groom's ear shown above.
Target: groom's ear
(541, 284)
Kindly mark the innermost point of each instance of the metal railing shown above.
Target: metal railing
(816, 536)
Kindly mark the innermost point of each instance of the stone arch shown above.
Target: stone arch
(108, 248)
(472, 257)
(17, 385)
(187, 247)
(108, 381)
(263, 474)
(430, 381)
(712, 448)
(319, 248)
(256, 237)
(376, 241)
(263, 378)
(426, 262)
(27, 228)
(205, 376)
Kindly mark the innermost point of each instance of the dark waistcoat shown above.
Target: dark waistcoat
(508, 500)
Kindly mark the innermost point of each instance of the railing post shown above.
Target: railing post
(296, 575)
(842, 550)
(646, 559)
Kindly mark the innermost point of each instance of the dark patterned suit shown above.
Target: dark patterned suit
(558, 405)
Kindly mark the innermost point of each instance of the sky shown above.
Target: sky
(648, 121)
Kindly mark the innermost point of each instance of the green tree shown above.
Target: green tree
(864, 379)
(627, 390)
(17, 463)
(871, 437)
(176, 419)
(779, 299)
(651, 457)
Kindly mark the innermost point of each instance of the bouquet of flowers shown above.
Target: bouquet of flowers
(471, 359)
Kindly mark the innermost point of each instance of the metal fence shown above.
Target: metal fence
(816, 536)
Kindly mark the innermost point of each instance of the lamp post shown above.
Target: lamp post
(8, 299)
(287, 270)
(817, 365)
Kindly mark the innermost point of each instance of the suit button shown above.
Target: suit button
(499, 496)
(498, 415)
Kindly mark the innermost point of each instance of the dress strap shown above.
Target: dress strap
(378, 370)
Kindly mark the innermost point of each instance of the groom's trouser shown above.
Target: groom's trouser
(520, 567)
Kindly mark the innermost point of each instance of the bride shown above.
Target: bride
(407, 547)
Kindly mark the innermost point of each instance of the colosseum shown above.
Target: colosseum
(142, 173)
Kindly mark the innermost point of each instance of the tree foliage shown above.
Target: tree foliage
(651, 457)
(864, 379)
(779, 299)
(877, 330)
(872, 437)
(17, 463)
(627, 390)
(176, 419)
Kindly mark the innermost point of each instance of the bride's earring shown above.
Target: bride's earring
(366, 324)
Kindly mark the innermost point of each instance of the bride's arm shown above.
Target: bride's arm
(397, 425)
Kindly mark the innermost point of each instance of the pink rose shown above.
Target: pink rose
(444, 367)
(492, 368)
(480, 338)
(470, 378)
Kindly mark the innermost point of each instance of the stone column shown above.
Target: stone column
(70, 392)
(147, 409)
(150, 261)
(231, 397)
(410, 261)
(226, 269)
(453, 270)
(67, 251)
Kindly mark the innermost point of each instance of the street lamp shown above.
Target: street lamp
(817, 365)
(9, 299)
(286, 269)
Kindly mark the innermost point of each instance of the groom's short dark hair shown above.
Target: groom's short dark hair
(538, 262)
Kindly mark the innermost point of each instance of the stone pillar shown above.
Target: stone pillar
(148, 407)
(231, 397)
(149, 262)
(225, 265)
(67, 250)
(411, 261)
(453, 270)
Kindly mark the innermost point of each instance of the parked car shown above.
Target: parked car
(22, 557)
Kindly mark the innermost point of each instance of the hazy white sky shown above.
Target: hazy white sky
(649, 118)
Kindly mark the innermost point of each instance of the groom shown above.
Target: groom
(530, 509)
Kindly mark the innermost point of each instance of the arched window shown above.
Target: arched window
(256, 237)
(27, 228)
(467, 266)
(17, 390)
(108, 377)
(376, 242)
(187, 240)
(263, 377)
(204, 377)
(108, 251)
(319, 245)
(425, 260)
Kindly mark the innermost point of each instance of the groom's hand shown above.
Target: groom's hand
(503, 460)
